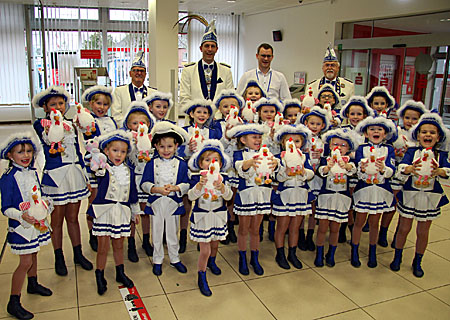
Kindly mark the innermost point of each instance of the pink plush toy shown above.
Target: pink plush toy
(98, 161)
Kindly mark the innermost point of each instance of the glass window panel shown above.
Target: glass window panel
(127, 15)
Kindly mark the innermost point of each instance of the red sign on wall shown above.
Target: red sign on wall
(91, 54)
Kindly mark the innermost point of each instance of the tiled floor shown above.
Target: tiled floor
(342, 292)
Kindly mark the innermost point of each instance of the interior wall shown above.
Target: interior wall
(308, 28)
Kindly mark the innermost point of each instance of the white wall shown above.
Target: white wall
(307, 29)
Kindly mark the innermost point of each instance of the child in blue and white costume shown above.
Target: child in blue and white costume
(334, 200)
(381, 101)
(373, 195)
(327, 94)
(159, 104)
(166, 181)
(115, 206)
(421, 202)
(24, 239)
(318, 122)
(267, 110)
(209, 216)
(292, 199)
(252, 201)
(138, 112)
(64, 178)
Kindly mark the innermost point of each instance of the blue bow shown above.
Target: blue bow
(141, 90)
(208, 66)
(331, 82)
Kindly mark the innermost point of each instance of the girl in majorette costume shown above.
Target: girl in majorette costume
(328, 96)
(159, 104)
(292, 199)
(253, 91)
(373, 194)
(334, 200)
(253, 200)
(292, 109)
(115, 206)
(64, 179)
(409, 113)
(23, 205)
(223, 103)
(209, 189)
(422, 196)
(318, 122)
(381, 101)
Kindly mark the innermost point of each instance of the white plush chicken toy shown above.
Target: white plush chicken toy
(400, 145)
(371, 169)
(233, 119)
(56, 128)
(143, 142)
(293, 158)
(212, 175)
(336, 170)
(308, 101)
(330, 113)
(279, 121)
(37, 208)
(248, 112)
(317, 146)
(84, 120)
(263, 170)
(197, 137)
(427, 161)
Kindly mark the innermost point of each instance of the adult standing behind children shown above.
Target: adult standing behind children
(330, 67)
(134, 91)
(206, 78)
(272, 81)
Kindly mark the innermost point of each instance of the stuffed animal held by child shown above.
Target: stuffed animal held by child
(293, 158)
(336, 170)
(212, 175)
(371, 169)
(143, 142)
(400, 145)
(308, 101)
(427, 163)
(197, 137)
(37, 208)
(98, 161)
(279, 121)
(233, 119)
(84, 120)
(263, 170)
(248, 113)
(55, 130)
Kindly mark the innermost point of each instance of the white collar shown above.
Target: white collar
(268, 72)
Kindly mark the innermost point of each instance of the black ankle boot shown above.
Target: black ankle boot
(122, 277)
(101, 281)
(231, 232)
(382, 237)
(309, 240)
(60, 264)
(132, 253)
(15, 309)
(271, 230)
(183, 241)
(78, 258)
(146, 244)
(34, 287)
(280, 258)
(292, 258)
(93, 242)
(342, 233)
(261, 231)
(302, 240)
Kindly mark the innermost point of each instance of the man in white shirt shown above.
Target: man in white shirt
(272, 81)
(135, 91)
(205, 79)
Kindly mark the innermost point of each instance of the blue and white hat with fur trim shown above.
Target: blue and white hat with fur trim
(357, 101)
(292, 103)
(54, 91)
(166, 128)
(228, 93)
(387, 124)
(318, 112)
(383, 92)
(254, 83)
(268, 102)
(17, 139)
(247, 128)
(158, 95)
(434, 119)
(344, 134)
(116, 135)
(299, 129)
(191, 105)
(92, 91)
(329, 88)
(412, 105)
(210, 145)
(139, 106)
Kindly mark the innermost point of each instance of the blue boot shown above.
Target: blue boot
(271, 230)
(255, 263)
(203, 284)
(329, 257)
(213, 267)
(355, 256)
(372, 263)
(243, 268)
(318, 262)
(417, 268)
(382, 237)
(395, 264)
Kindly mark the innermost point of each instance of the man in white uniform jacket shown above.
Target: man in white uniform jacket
(206, 78)
(272, 81)
(330, 67)
(134, 91)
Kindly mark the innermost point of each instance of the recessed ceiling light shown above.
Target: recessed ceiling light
(445, 20)
(231, 1)
(215, 8)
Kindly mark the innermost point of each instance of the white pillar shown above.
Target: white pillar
(163, 58)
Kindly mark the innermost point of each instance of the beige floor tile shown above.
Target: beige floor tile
(357, 314)
(110, 311)
(417, 306)
(444, 220)
(435, 268)
(437, 233)
(158, 307)
(173, 281)
(230, 301)
(296, 295)
(442, 293)
(355, 282)
(441, 248)
(66, 314)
